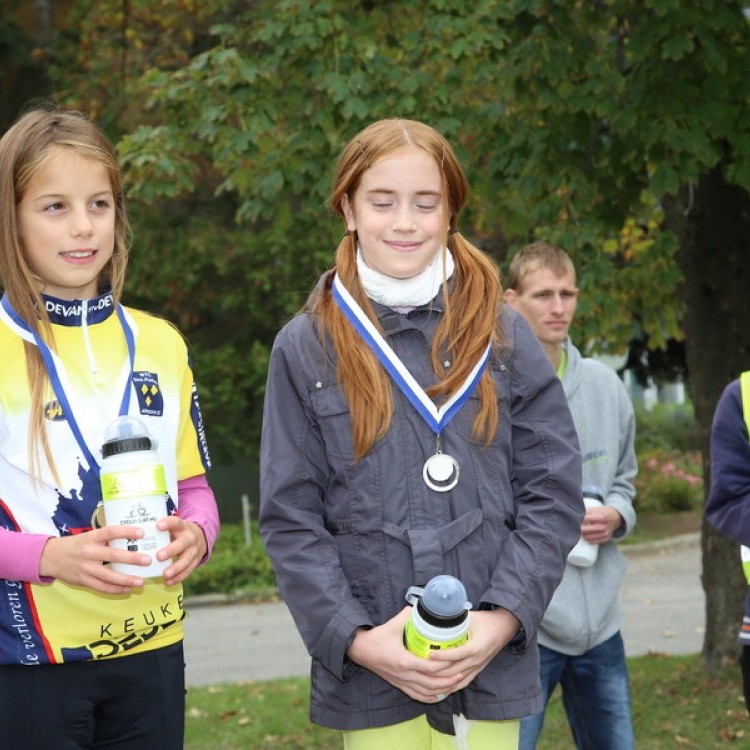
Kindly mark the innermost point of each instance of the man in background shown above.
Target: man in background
(580, 644)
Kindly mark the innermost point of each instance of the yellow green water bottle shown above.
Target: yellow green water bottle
(134, 492)
(439, 617)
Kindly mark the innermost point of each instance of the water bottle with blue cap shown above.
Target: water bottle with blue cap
(439, 618)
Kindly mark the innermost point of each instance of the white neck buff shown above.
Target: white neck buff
(412, 292)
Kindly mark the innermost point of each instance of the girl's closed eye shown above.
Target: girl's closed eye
(54, 207)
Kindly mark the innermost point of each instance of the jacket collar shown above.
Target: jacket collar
(393, 321)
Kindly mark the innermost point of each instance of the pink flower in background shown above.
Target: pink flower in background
(671, 469)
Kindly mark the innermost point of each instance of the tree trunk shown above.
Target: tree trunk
(43, 18)
(712, 222)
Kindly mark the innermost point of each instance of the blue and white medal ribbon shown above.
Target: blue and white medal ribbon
(440, 471)
(56, 372)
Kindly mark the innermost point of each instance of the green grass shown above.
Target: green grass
(675, 705)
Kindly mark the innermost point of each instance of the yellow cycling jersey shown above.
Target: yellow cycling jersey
(57, 622)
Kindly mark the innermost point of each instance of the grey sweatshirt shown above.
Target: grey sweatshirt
(584, 610)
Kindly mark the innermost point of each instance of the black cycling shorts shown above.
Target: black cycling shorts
(129, 703)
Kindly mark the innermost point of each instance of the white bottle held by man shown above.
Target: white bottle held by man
(584, 553)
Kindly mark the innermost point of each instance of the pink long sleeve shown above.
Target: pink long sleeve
(196, 503)
(20, 555)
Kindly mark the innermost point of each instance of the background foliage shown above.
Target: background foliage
(617, 129)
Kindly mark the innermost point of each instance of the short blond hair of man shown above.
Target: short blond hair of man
(534, 256)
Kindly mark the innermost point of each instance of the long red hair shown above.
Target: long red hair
(472, 302)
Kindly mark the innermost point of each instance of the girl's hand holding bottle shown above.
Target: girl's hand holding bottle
(80, 559)
(187, 548)
(381, 650)
(489, 632)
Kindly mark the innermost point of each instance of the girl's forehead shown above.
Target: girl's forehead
(409, 168)
(67, 162)
(63, 169)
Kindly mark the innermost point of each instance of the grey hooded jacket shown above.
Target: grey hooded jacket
(348, 538)
(584, 611)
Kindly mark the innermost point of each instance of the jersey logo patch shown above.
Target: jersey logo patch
(53, 411)
(150, 399)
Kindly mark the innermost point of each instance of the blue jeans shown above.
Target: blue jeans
(596, 697)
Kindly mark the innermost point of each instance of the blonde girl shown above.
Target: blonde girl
(105, 646)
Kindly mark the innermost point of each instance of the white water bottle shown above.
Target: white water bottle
(134, 492)
(584, 554)
(439, 618)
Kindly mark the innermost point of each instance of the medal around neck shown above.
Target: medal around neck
(441, 472)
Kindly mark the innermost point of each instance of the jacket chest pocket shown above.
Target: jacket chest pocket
(332, 411)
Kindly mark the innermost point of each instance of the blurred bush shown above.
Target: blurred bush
(669, 481)
(666, 427)
(234, 566)
(670, 470)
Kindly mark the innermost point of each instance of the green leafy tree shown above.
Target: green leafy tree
(191, 260)
(25, 35)
(258, 120)
(616, 110)
(615, 128)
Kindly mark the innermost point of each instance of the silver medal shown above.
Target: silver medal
(97, 517)
(440, 472)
